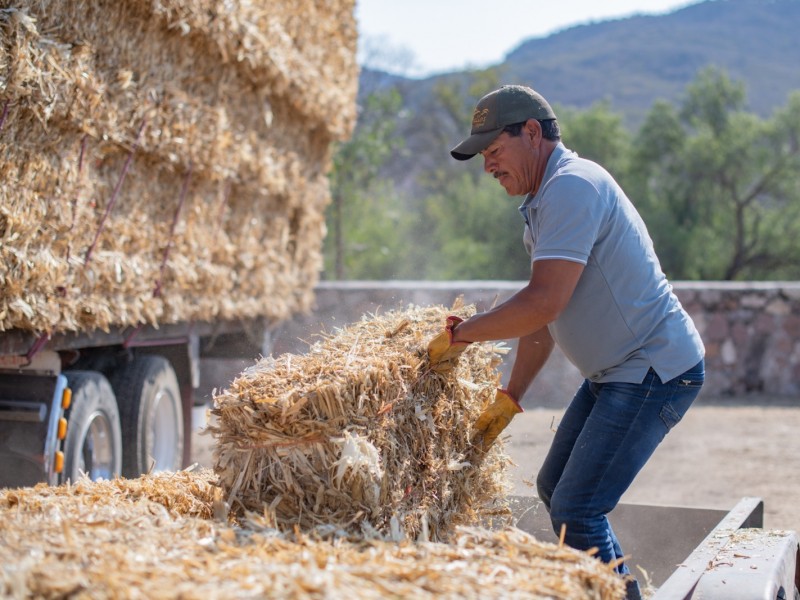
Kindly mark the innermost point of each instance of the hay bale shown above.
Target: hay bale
(155, 537)
(166, 161)
(359, 433)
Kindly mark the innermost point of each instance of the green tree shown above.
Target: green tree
(598, 134)
(365, 214)
(471, 228)
(478, 232)
(659, 188)
(449, 118)
(720, 185)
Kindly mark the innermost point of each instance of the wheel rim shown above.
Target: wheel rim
(97, 450)
(162, 432)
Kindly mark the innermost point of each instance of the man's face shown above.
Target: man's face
(512, 160)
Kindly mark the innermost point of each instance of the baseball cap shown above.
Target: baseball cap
(505, 106)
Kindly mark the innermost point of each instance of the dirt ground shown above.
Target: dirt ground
(722, 451)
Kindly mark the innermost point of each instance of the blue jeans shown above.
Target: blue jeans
(607, 434)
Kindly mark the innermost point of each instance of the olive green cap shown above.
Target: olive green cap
(508, 105)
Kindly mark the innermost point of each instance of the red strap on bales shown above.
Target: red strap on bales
(222, 205)
(75, 199)
(37, 346)
(83, 150)
(4, 115)
(128, 341)
(117, 188)
(175, 218)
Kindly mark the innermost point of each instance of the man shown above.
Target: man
(598, 291)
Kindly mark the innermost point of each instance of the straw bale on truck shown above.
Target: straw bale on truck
(165, 161)
(163, 168)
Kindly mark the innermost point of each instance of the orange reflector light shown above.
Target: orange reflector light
(58, 464)
(66, 398)
(62, 428)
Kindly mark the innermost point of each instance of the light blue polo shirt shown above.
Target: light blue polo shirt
(623, 317)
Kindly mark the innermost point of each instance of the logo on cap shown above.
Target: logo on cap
(479, 117)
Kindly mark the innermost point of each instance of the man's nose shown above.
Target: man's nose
(488, 164)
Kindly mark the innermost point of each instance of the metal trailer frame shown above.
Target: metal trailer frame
(32, 384)
(694, 553)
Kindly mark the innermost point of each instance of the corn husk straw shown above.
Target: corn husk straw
(359, 432)
(156, 537)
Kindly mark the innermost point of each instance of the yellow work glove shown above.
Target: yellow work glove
(443, 352)
(494, 419)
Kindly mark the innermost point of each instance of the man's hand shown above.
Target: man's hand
(443, 352)
(494, 419)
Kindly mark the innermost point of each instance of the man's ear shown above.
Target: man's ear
(533, 129)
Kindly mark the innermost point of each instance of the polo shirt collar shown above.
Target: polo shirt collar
(532, 200)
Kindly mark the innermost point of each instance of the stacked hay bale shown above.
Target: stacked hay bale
(154, 537)
(359, 433)
(165, 160)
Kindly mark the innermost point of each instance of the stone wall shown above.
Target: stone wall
(752, 334)
(751, 330)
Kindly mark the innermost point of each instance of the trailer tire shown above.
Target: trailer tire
(93, 444)
(151, 415)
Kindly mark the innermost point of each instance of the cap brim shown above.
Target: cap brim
(474, 144)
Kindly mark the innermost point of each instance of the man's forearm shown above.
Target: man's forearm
(525, 312)
(532, 353)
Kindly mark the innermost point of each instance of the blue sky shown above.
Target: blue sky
(421, 37)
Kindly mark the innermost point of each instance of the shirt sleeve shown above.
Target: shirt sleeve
(570, 216)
